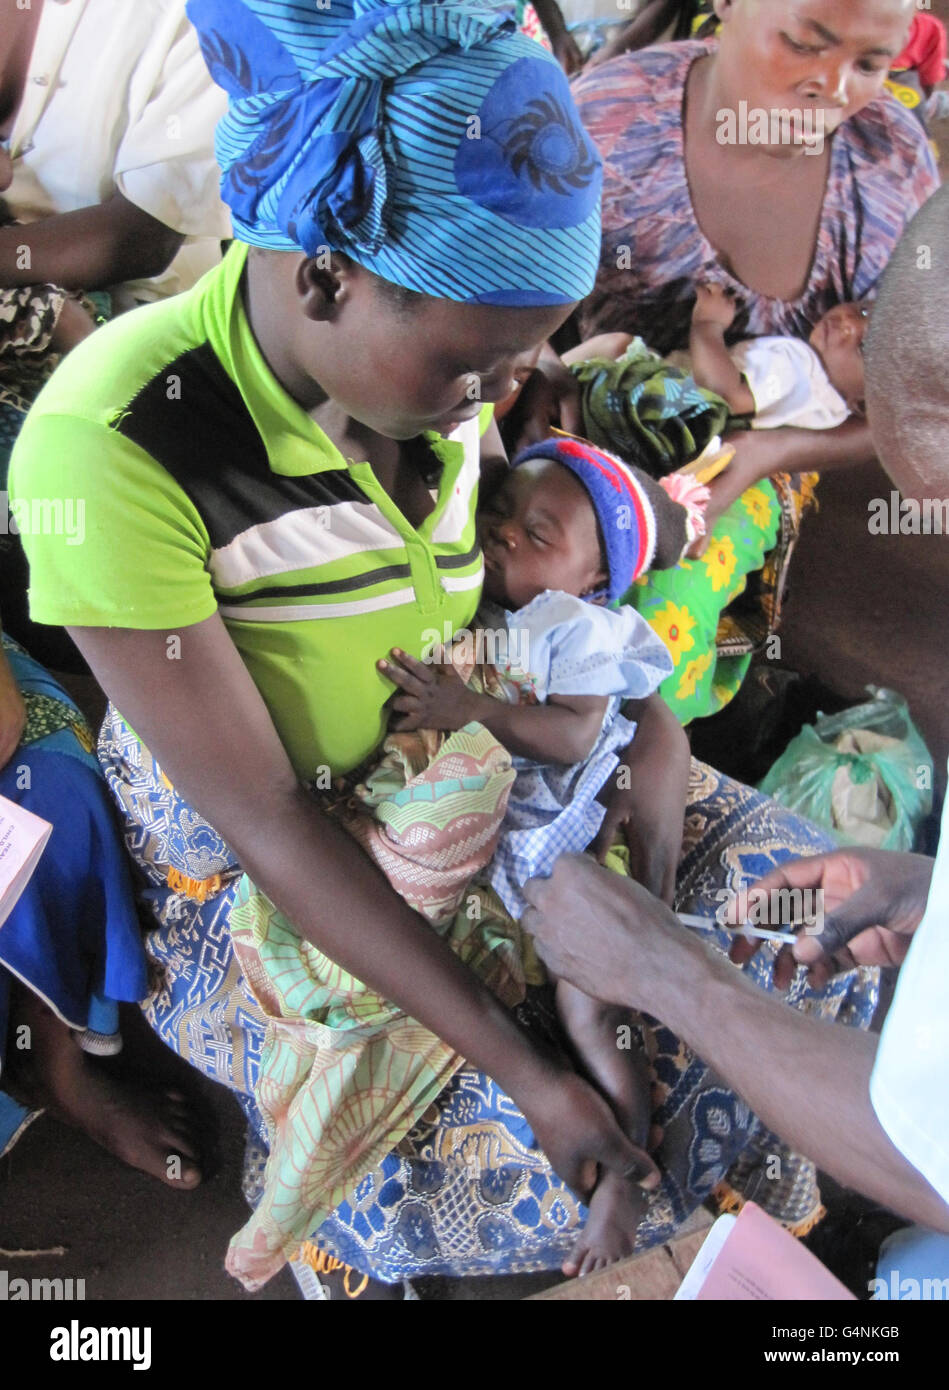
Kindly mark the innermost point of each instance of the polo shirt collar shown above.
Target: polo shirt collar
(296, 446)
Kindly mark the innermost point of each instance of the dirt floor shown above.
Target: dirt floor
(862, 609)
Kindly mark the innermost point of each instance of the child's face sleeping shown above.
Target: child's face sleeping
(838, 342)
(539, 531)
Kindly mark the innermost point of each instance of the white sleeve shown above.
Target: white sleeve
(909, 1087)
(165, 161)
(789, 385)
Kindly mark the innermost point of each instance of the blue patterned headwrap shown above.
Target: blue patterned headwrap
(427, 139)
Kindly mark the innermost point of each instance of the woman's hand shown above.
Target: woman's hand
(758, 454)
(871, 902)
(12, 712)
(566, 52)
(604, 54)
(433, 695)
(648, 799)
(550, 399)
(724, 492)
(577, 1130)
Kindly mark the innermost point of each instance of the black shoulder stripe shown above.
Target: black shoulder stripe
(192, 419)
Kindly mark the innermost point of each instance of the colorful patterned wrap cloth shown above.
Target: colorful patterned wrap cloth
(345, 1074)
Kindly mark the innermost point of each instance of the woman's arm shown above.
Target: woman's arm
(433, 696)
(205, 722)
(648, 795)
(564, 45)
(645, 29)
(89, 249)
(761, 453)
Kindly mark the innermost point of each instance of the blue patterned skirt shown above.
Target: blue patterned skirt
(467, 1192)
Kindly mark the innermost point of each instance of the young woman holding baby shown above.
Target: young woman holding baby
(271, 508)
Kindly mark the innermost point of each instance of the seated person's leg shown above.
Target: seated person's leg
(150, 1131)
(71, 946)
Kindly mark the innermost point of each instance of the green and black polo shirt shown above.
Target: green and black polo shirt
(204, 487)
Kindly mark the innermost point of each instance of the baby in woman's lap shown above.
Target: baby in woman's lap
(567, 532)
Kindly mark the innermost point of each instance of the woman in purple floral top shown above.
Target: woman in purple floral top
(880, 172)
(792, 232)
(792, 229)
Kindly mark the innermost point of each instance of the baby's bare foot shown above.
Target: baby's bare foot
(616, 1209)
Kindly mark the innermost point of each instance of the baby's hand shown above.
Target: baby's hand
(714, 304)
(433, 695)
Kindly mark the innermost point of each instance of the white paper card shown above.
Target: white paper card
(23, 838)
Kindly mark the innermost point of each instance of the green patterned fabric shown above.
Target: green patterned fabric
(651, 413)
(345, 1074)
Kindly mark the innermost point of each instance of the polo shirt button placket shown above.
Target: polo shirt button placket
(428, 590)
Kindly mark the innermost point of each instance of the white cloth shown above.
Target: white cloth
(789, 384)
(589, 11)
(117, 98)
(909, 1087)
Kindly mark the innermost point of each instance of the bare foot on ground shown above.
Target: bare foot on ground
(153, 1131)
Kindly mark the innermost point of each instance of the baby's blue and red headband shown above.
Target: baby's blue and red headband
(643, 524)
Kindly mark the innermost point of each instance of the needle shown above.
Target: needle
(689, 919)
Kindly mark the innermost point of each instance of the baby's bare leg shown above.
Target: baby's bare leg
(598, 1033)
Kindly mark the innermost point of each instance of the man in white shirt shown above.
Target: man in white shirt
(874, 1115)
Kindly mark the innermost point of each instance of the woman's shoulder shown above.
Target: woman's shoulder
(101, 376)
(641, 83)
(887, 139)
